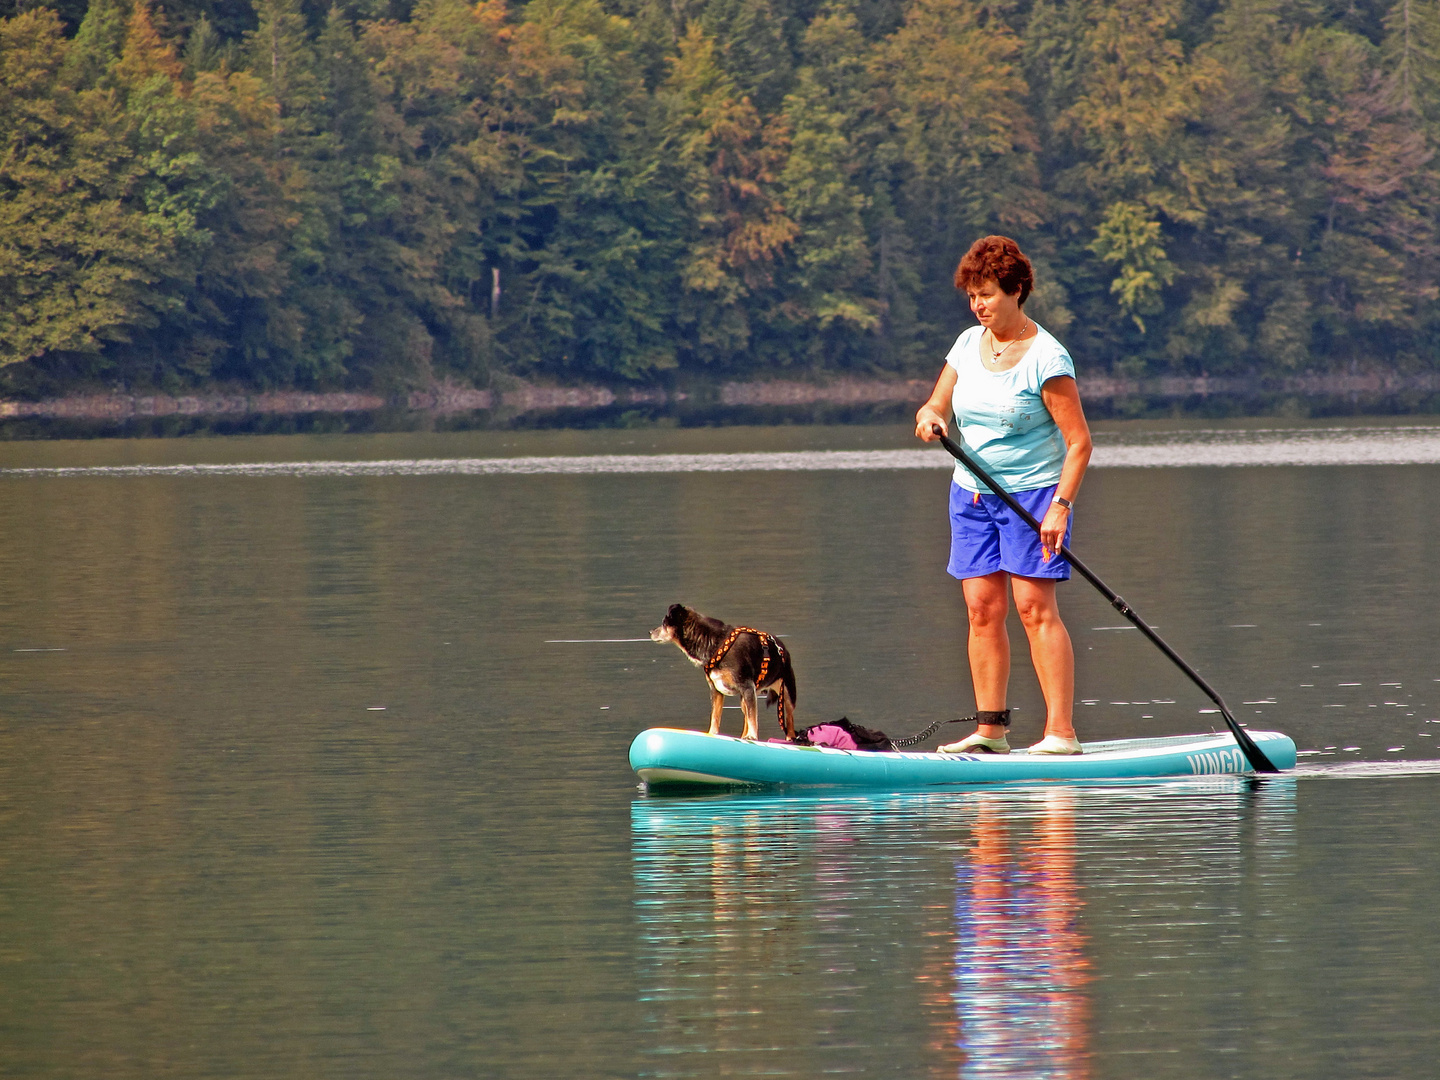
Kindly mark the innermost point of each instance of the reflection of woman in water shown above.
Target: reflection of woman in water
(1020, 963)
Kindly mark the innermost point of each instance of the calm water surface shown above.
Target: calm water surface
(297, 779)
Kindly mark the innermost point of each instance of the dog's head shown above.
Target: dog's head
(674, 621)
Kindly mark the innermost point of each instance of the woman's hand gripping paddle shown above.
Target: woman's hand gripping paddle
(1253, 754)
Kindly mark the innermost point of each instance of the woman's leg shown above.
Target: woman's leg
(1050, 651)
(987, 604)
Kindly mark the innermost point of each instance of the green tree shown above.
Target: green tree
(447, 151)
(724, 160)
(101, 194)
(586, 244)
(1317, 244)
(831, 292)
(279, 52)
(752, 48)
(97, 42)
(1253, 172)
(964, 144)
(1136, 97)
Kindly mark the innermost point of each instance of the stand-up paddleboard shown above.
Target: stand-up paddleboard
(674, 757)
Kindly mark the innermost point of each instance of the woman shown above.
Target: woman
(1012, 388)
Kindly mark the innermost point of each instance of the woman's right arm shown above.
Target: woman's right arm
(936, 412)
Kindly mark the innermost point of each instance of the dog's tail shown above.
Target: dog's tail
(921, 736)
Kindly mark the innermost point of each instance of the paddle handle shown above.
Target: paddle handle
(1253, 753)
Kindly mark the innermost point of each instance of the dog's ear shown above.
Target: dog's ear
(676, 614)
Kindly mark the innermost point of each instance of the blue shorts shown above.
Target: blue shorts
(986, 535)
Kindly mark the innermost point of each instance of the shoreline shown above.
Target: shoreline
(523, 399)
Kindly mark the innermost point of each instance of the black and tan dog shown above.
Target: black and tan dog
(737, 661)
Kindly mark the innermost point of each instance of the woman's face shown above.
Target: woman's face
(990, 303)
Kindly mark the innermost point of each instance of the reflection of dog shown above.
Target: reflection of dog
(737, 661)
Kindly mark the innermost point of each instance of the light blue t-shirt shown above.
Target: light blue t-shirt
(1003, 419)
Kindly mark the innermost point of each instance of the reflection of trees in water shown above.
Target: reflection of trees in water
(776, 935)
(1020, 963)
(717, 924)
(943, 935)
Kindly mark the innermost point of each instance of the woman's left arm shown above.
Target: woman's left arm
(1062, 399)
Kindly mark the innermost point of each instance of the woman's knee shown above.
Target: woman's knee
(987, 601)
(986, 613)
(1038, 618)
(1036, 607)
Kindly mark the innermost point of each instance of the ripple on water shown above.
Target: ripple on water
(1342, 770)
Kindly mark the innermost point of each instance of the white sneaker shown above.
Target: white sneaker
(977, 744)
(1054, 744)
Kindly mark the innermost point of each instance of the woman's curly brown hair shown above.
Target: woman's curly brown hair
(1000, 259)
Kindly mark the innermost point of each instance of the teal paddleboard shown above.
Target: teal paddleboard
(675, 757)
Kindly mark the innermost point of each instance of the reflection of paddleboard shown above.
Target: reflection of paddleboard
(667, 757)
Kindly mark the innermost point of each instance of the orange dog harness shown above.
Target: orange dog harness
(766, 641)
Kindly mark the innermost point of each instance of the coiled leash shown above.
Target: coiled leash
(766, 640)
(1001, 718)
(844, 735)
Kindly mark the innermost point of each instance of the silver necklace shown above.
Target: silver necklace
(995, 354)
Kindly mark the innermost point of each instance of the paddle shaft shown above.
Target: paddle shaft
(1253, 754)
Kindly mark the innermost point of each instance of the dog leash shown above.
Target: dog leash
(921, 736)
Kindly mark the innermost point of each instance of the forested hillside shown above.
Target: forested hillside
(382, 195)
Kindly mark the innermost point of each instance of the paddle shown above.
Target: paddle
(1253, 754)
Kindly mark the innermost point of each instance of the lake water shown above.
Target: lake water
(313, 763)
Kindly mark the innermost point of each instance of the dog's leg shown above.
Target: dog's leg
(752, 713)
(717, 702)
